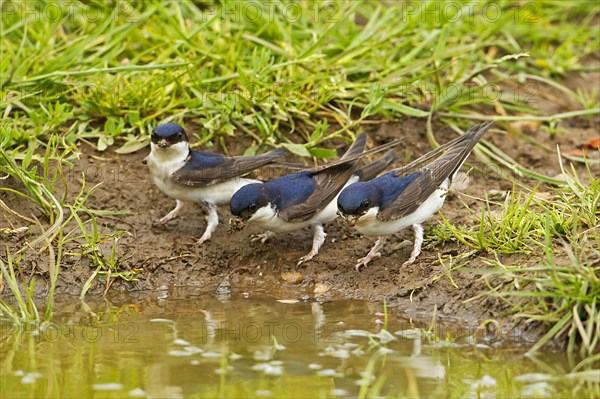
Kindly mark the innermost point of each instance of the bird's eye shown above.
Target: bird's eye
(366, 204)
(179, 135)
(252, 207)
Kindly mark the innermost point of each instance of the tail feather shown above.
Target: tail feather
(371, 170)
(353, 155)
(458, 153)
(357, 147)
(276, 153)
(462, 145)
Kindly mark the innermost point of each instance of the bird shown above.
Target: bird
(398, 199)
(308, 197)
(203, 177)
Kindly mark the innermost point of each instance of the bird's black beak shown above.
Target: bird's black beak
(163, 143)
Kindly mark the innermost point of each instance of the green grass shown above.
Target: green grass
(556, 278)
(524, 220)
(43, 191)
(68, 79)
(113, 77)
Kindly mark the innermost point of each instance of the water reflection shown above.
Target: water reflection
(187, 343)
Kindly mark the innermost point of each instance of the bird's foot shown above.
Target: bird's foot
(305, 258)
(262, 237)
(410, 260)
(169, 216)
(417, 245)
(162, 221)
(363, 262)
(413, 257)
(205, 237)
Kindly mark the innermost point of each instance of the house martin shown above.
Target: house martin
(399, 199)
(197, 176)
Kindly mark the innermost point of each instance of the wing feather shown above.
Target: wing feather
(329, 179)
(203, 170)
(432, 176)
(371, 170)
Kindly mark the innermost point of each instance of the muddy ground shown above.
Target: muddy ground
(169, 256)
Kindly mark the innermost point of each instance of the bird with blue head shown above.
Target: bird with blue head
(407, 196)
(202, 177)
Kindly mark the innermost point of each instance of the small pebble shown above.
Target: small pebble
(224, 287)
(293, 278)
(321, 288)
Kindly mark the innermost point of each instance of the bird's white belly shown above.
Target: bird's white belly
(219, 194)
(268, 218)
(369, 225)
(329, 213)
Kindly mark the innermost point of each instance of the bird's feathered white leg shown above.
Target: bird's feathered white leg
(418, 242)
(171, 215)
(262, 237)
(212, 222)
(363, 262)
(318, 240)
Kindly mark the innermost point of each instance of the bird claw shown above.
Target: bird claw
(205, 237)
(262, 237)
(410, 260)
(304, 259)
(161, 221)
(363, 262)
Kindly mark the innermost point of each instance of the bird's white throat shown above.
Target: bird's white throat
(163, 162)
(178, 152)
(264, 215)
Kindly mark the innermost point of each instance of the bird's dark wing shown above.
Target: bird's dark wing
(329, 180)
(203, 169)
(355, 155)
(431, 177)
(468, 136)
(328, 184)
(370, 171)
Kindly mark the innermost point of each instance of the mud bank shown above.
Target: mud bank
(169, 256)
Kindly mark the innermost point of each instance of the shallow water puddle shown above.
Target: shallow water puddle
(189, 344)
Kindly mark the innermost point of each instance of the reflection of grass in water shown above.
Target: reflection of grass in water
(416, 364)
